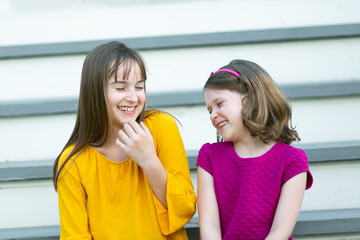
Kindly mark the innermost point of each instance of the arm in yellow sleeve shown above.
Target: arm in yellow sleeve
(72, 204)
(180, 196)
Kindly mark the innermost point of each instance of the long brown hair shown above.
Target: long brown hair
(266, 112)
(92, 121)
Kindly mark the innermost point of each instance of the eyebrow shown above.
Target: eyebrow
(125, 81)
(214, 101)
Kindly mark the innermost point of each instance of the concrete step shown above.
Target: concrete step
(312, 223)
(319, 152)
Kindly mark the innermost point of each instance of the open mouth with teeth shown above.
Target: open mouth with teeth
(128, 110)
(222, 124)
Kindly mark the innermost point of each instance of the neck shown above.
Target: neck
(252, 147)
(110, 149)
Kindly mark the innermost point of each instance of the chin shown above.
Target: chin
(225, 138)
(228, 138)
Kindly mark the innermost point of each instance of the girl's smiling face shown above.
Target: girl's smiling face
(225, 108)
(126, 97)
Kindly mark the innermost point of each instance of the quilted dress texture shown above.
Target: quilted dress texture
(248, 189)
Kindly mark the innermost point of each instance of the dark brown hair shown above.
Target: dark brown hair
(92, 121)
(266, 112)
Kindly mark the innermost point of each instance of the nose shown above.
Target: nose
(131, 95)
(213, 115)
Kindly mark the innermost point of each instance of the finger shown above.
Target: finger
(121, 145)
(123, 136)
(118, 142)
(136, 127)
(128, 129)
(145, 129)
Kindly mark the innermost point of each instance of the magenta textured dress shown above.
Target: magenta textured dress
(248, 189)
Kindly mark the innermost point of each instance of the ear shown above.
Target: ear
(244, 98)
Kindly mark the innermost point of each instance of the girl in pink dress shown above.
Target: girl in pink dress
(251, 182)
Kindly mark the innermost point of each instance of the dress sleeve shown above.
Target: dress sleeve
(204, 158)
(180, 196)
(297, 162)
(72, 203)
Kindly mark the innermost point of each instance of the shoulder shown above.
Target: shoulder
(155, 117)
(65, 154)
(296, 162)
(210, 153)
(163, 128)
(208, 150)
(290, 152)
(77, 155)
(295, 152)
(218, 146)
(160, 122)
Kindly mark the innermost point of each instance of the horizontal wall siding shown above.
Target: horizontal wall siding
(317, 153)
(186, 41)
(308, 118)
(314, 60)
(302, 62)
(309, 223)
(173, 99)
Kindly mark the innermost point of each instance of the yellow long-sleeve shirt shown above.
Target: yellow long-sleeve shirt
(105, 200)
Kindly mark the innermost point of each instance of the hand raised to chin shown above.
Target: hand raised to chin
(137, 142)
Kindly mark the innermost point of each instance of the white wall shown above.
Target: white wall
(188, 69)
(42, 21)
(42, 137)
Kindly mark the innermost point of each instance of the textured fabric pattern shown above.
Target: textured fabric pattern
(248, 189)
(101, 199)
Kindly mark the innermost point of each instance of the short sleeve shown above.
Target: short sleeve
(296, 163)
(204, 159)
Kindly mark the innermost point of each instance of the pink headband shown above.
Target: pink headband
(227, 70)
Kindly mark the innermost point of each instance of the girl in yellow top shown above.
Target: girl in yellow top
(123, 174)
